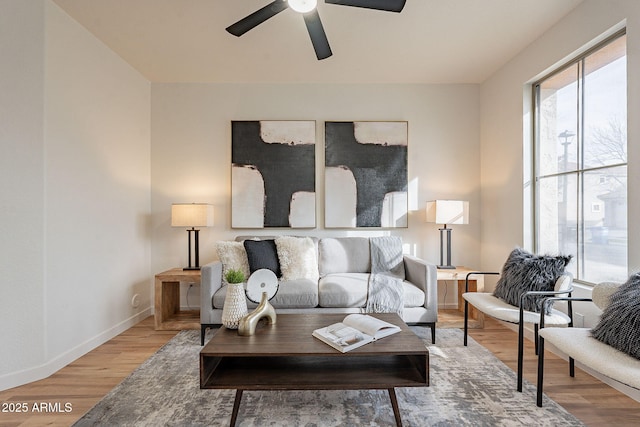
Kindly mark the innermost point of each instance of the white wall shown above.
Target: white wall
(21, 185)
(79, 160)
(97, 137)
(505, 119)
(191, 154)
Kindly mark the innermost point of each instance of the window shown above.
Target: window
(580, 162)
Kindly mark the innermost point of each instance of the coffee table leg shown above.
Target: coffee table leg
(394, 405)
(236, 405)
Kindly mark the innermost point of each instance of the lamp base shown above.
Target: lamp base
(196, 247)
(448, 265)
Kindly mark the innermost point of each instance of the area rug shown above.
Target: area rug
(469, 387)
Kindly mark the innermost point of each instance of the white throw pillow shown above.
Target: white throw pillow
(233, 257)
(298, 258)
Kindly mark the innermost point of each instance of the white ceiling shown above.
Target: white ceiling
(430, 41)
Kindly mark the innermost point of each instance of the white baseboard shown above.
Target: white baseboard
(36, 373)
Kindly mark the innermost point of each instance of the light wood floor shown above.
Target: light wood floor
(87, 380)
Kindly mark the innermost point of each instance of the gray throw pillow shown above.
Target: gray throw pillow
(523, 272)
(619, 324)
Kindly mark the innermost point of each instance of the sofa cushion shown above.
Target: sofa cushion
(298, 259)
(523, 272)
(232, 255)
(351, 290)
(343, 290)
(413, 295)
(619, 324)
(300, 293)
(262, 254)
(344, 255)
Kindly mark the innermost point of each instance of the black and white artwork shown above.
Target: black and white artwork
(366, 174)
(273, 174)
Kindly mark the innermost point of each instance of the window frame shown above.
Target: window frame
(581, 170)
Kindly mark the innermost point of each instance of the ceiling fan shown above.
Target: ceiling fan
(311, 17)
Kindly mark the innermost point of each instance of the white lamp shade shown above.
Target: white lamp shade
(448, 211)
(191, 215)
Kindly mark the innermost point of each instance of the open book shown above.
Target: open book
(355, 331)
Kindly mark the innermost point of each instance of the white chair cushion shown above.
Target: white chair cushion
(495, 307)
(580, 345)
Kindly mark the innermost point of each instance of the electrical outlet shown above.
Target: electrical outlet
(578, 320)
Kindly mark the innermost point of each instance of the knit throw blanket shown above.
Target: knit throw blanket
(386, 292)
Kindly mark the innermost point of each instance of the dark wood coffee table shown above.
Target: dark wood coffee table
(285, 356)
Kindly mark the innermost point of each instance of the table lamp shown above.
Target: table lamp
(447, 212)
(192, 215)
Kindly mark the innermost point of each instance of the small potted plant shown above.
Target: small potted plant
(235, 276)
(235, 304)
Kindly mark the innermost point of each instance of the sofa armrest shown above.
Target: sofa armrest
(210, 282)
(424, 276)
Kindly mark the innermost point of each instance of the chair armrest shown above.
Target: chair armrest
(530, 293)
(543, 308)
(210, 282)
(466, 279)
(548, 301)
(425, 276)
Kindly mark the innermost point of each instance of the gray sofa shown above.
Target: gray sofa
(344, 267)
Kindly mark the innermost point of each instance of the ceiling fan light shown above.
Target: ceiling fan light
(303, 6)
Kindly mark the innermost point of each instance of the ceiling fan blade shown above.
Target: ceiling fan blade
(317, 34)
(386, 5)
(256, 18)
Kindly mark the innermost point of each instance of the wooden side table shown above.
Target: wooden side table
(455, 318)
(168, 315)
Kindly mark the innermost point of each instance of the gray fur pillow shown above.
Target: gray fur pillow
(619, 324)
(523, 272)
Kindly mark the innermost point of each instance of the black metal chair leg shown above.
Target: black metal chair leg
(466, 321)
(572, 367)
(535, 337)
(520, 353)
(433, 333)
(540, 372)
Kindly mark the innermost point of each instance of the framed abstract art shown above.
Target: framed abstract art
(366, 174)
(273, 174)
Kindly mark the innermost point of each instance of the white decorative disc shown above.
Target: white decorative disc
(263, 280)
